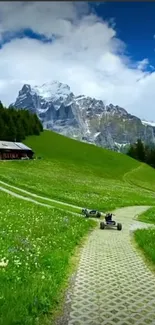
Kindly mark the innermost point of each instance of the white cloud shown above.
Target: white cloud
(142, 65)
(87, 55)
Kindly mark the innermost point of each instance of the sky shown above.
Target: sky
(104, 50)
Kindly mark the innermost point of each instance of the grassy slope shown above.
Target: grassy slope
(80, 174)
(142, 177)
(146, 237)
(148, 216)
(72, 172)
(34, 240)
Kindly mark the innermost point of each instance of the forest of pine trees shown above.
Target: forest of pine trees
(142, 153)
(15, 125)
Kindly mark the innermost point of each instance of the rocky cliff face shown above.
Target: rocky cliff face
(83, 118)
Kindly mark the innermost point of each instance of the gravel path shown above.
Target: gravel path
(112, 285)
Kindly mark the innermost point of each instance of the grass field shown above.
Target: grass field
(146, 237)
(143, 177)
(34, 241)
(81, 174)
(38, 241)
(42, 199)
(146, 241)
(148, 216)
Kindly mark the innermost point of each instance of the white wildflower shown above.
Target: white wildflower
(4, 262)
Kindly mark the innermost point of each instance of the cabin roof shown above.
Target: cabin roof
(13, 145)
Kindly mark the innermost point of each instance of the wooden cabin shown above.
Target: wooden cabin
(14, 150)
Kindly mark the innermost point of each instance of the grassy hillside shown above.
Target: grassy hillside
(37, 242)
(88, 157)
(148, 216)
(81, 174)
(34, 258)
(143, 177)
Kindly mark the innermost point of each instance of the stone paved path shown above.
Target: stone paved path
(113, 285)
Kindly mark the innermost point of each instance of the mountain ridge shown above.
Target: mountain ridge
(82, 117)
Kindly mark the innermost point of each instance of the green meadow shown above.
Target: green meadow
(36, 246)
(37, 242)
(81, 174)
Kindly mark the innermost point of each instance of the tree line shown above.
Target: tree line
(142, 152)
(15, 125)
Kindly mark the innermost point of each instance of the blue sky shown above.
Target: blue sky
(134, 24)
(24, 33)
(103, 50)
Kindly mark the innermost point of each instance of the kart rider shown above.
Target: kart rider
(108, 217)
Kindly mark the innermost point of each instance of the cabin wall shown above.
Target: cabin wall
(13, 154)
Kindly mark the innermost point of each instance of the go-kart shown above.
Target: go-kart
(109, 223)
(91, 213)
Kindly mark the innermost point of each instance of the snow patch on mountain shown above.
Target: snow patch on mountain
(148, 123)
(53, 90)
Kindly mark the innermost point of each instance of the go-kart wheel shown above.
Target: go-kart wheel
(102, 225)
(119, 226)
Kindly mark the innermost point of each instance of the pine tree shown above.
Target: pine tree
(11, 133)
(17, 124)
(132, 151)
(140, 150)
(1, 106)
(20, 134)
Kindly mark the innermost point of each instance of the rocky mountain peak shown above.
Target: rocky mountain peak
(25, 89)
(52, 89)
(84, 118)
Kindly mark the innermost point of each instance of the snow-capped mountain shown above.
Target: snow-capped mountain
(148, 123)
(83, 118)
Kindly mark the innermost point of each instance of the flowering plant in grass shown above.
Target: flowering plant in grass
(36, 244)
(71, 185)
